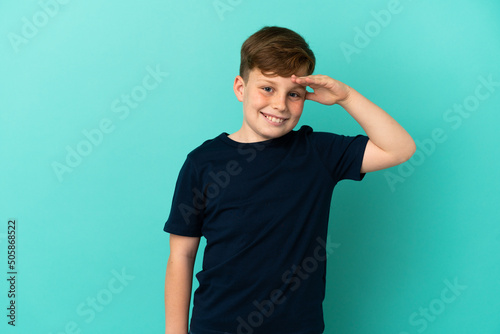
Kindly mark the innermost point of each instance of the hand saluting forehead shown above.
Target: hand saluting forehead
(327, 90)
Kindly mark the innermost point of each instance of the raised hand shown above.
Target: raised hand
(327, 90)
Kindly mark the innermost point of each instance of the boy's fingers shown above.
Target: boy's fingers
(306, 83)
(311, 96)
(312, 81)
(300, 80)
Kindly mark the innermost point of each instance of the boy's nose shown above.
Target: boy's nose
(279, 103)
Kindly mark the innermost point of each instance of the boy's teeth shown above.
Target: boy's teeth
(274, 119)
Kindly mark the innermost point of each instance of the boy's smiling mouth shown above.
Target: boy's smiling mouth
(273, 119)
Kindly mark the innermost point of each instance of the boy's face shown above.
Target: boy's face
(272, 106)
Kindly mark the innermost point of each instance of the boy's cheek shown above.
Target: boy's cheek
(296, 117)
(299, 107)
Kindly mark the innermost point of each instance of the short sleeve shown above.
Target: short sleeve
(186, 212)
(341, 155)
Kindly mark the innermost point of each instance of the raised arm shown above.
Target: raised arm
(178, 282)
(389, 144)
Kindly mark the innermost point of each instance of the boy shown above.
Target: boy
(261, 197)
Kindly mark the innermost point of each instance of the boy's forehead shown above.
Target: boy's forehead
(257, 72)
(257, 75)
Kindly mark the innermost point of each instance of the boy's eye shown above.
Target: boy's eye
(294, 95)
(268, 89)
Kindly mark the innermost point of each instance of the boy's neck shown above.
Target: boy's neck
(241, 138)
(237, 137)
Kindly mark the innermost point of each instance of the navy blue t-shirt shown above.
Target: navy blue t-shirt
(263, 209)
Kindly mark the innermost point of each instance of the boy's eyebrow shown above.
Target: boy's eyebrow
(293, 87)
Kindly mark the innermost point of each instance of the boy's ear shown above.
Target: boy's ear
(239, 87)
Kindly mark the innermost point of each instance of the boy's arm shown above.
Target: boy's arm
(178, 282)
(389, 143)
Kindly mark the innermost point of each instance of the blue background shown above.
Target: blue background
(404, 233)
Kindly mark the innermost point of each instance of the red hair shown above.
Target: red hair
(276, 51)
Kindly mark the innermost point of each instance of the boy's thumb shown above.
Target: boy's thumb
(311, 96)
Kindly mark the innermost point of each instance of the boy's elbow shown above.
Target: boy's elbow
(409, 150)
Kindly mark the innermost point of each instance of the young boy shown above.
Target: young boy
(261, 197)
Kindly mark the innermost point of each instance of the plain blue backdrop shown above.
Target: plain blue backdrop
(101, 101)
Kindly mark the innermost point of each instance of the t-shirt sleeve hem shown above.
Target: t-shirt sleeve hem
(173, 230)
(359, 158)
